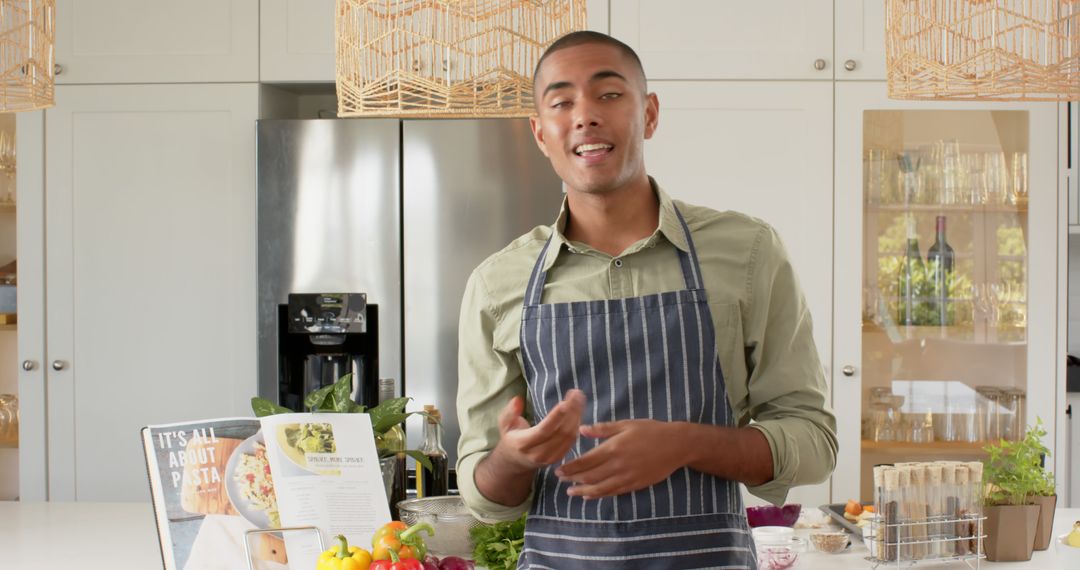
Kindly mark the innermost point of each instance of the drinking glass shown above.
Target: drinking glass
(987, 411)
(997, 178)
(1012, 410)
(1018, 194)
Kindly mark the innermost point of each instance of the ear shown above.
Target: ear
(538, 133)
(652, 114)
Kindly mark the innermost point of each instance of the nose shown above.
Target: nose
(586, 116)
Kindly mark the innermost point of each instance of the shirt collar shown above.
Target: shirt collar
(670, 228)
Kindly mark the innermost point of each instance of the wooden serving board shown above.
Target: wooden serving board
(202, 493)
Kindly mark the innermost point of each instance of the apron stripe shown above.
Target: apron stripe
(629, 360)
(649, 389)
(574, 377)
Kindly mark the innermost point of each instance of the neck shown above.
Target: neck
(612, 221)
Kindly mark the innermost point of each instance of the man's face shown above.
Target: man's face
(593, 117)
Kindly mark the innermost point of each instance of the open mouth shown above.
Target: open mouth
(593, 149)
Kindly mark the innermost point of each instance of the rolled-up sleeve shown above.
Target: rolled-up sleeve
(487, 380)
(787, 391)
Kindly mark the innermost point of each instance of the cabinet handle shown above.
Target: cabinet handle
(848, 370)
(57, 69)
(28, 365)
(58, 365)
(850, 65)
(819, 64)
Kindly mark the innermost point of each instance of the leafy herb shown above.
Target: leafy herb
(498, 546)
(1015, 469)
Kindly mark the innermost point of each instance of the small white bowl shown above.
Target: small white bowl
(773, 534)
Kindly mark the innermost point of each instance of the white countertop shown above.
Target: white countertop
(119, 536)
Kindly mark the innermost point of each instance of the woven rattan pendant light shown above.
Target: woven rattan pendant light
(1002, 50)
(444, 58)
(26, 54)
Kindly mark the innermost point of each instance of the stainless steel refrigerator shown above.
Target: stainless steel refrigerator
(402, 210)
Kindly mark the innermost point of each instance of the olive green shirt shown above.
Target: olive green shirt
(763, 335)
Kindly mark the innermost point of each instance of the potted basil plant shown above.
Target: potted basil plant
(1014, 477)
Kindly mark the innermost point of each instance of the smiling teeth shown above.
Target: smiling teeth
(587, 147)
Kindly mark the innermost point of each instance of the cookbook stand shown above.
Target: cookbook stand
(248, 534)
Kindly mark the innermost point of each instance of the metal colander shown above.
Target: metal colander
(450, 519)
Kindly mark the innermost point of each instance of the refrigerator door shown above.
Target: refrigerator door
(328, 221)
(469, 188)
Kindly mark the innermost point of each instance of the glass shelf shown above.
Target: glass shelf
(960, 208)
(935, 447)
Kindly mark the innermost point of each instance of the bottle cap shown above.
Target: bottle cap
(434, 416)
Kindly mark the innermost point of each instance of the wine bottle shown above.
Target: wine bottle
(436, 481)
(393, 442)
(940, 260)
(912, 274)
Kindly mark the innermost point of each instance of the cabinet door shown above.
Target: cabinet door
(296, 40)
(150, 232)
(706, 39)
(764, 149)
(30, 247)
(860, 39)
(135, 41)
(932, 358)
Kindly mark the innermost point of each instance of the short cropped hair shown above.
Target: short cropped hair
(589, 37)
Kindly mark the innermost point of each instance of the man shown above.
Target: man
(643, 334)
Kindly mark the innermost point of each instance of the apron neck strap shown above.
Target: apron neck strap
(689, 263)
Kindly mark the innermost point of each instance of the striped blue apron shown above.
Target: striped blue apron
(650, 357)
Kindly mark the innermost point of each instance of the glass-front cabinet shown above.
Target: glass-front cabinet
(946, 279)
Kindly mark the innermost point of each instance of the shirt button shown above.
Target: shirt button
(618, 263)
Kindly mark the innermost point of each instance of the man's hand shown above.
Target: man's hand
(505, 475)
(531, 447)
(634, 455)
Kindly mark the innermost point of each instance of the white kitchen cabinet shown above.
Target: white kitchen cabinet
(749, 147)
(140, 41)
(296, 40)
(705, 39)
(149, 221)
(860, 39)
(911, 373)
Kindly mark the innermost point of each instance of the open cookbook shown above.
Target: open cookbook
(212, 481)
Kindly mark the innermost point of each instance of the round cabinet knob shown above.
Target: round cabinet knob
(58, 365)
(819, 64)
(848, 370)
(28, 365)
(850, 65)
(57, 69)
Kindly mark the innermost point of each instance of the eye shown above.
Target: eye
(559, 104)
(612, 95)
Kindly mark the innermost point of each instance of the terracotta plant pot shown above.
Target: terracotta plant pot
(1045, 529)
(1010, 532)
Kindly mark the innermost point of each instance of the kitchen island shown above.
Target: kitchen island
(121, 536)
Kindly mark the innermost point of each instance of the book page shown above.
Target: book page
(326, 474)
(210, 483)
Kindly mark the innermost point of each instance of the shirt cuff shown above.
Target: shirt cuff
(481, 507)
(785, 466)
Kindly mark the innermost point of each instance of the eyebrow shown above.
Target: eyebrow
(602, 74)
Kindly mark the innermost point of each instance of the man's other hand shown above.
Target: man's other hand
(634, 455)
(531, 447)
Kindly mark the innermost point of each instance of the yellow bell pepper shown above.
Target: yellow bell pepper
(344, 557)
